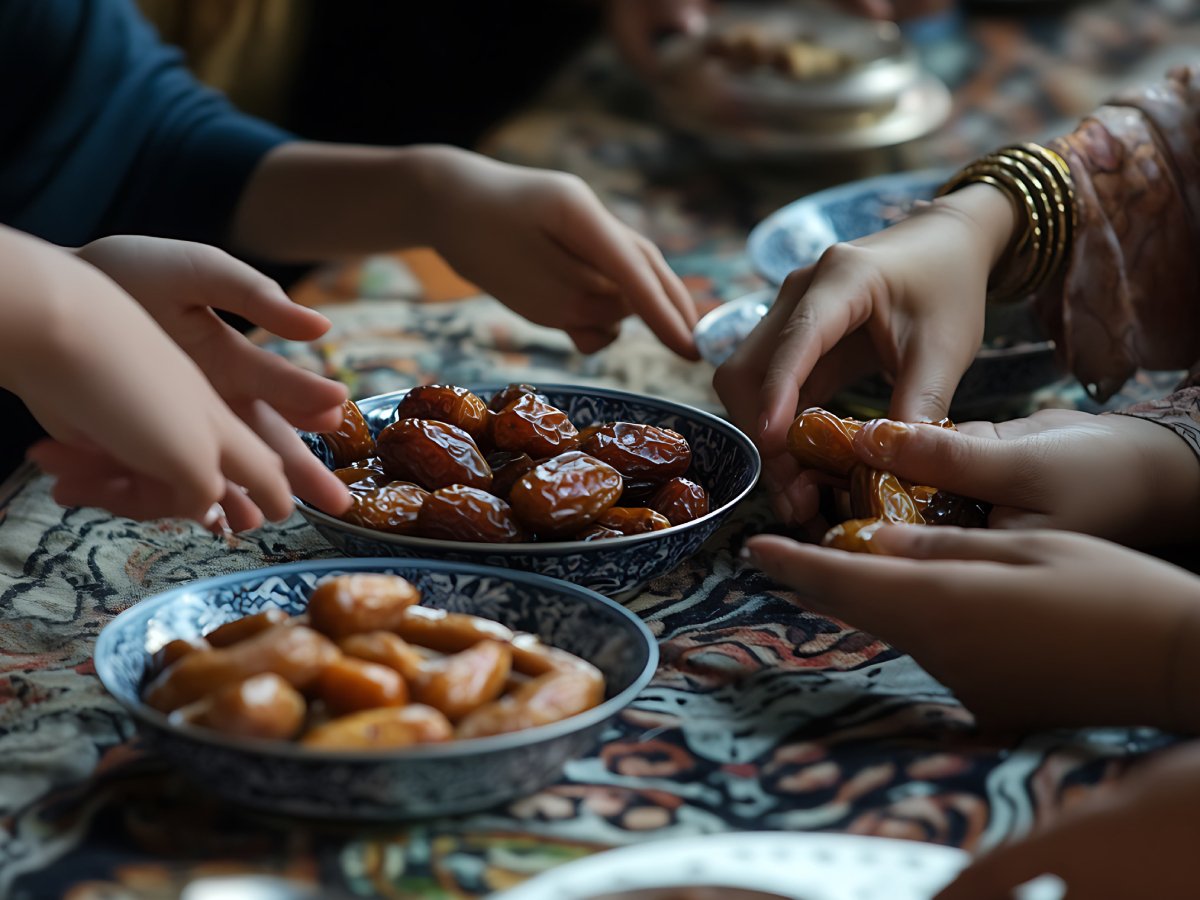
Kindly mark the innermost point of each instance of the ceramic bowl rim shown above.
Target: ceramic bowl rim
(142, 611)
(555, 547)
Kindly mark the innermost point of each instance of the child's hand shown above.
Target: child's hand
(1030, 629)
(135, 426)
(180, 284)
(542, 243)
(1117, 477)
(1136, 838)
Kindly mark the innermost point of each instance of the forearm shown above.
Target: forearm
(310, 201)
(39, 279)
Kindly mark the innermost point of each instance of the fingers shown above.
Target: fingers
(830, 311)
(833, 582)
(589, 340)
(677, 293)
(999, 472)
(926, 380)
(947, 543)
(240, 512)
(241, 372)
(307, 475)
(591, 233)
(230, 284)
(738, 381)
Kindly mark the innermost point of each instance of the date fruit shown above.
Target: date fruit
(433, 455)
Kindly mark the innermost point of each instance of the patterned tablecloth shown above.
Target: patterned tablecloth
(761, 716)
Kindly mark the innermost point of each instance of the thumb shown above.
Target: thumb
(984, 468)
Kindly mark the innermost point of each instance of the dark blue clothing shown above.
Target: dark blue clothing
(104, 131)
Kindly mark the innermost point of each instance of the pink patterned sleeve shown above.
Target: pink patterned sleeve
(1130, 294)
(1179, 411)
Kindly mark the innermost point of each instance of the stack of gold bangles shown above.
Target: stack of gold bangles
(1038, 182)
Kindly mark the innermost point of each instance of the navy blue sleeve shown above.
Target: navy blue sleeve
(104, 131)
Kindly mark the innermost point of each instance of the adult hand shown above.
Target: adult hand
(1118, 477)
(543, 244)
(1123, 840)
(908, 300)
(637, 26)
(181, 284)
(1028, 628)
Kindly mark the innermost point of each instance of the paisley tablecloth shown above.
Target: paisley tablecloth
(761, 716)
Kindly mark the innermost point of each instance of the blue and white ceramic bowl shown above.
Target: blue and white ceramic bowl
(723, 460)
(416, 782)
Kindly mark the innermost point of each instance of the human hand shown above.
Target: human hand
(1136, 838)
(1118, 477)
(908, 300)
(1028, 628)
(135, 427)
(636, 26)
(543, 244)
(181, 284)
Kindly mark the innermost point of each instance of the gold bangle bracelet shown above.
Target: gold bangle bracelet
(1038, 183)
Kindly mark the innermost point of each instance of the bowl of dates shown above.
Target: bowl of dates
(603, 488)
(374, 689)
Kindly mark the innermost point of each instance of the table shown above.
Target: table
(761, 716)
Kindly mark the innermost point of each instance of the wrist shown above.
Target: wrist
(988, 215)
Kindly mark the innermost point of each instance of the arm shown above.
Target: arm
(541, 242)
(135, 426)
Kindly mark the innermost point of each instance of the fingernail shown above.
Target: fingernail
(763, 424)
(882, 439)
(783, 508)
(746, 555)
(214, 520)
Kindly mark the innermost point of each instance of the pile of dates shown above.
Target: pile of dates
(820, 440)
(515, 470)
(367, 668)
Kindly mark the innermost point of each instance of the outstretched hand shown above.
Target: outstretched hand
(181, 284)
(907, 301)
(1030, 629)
(544, 245)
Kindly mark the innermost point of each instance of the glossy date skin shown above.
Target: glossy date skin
(633, 520)
(680, 500)
(393, 507)
(342, 605)
(875, 494)
(352, 440)
(446, 403)
(350, 685)
(461, 513)
(532, 426)
(511, 394)
(507, 467)
(640, 451)
(820, 440)
(432, 454)
(262, 706)
(565, 494)
(295, 653)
